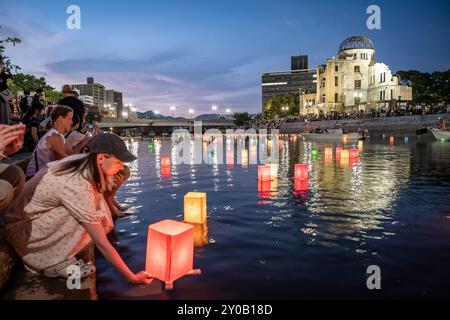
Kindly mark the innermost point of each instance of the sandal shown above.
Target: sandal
(61, 270)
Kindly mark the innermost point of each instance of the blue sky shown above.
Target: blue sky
(195, 54)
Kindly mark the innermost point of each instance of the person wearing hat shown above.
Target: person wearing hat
(70, 99)
(62, 210)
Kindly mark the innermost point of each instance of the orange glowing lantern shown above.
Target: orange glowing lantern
(301, 171)
(170, 251)
(345, 154)
(391, 139)
(264, 173)
(165, 161)
(360, 144)
(328, 152)
(354, 153)
(338, 152)
(195, 207)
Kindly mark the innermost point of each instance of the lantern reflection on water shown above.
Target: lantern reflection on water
(328, 152)
(354, 153)
(300, 186)
(264, 173)
(273, 171)
(244, 157)
(391, 140)
(301, 171)
(338, 152)
(165, 172)
(360, 145)
(345, 154)
(170, 251)
(165, 161)
(200, 234)
(267, 189)
(195, 207)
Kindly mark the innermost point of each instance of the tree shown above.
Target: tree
(428, 87)
(273, 108)
(7, 62)
(241, 118)
(22, 82)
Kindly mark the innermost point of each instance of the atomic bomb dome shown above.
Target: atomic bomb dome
(356, 42)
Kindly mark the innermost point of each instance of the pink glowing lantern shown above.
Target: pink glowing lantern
(165, 161)
(301, 171)
(391, 139)
(264, 173)
(338, 152)
(354, 153)
(170, 251)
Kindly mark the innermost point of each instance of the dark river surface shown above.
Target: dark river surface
(390, 208)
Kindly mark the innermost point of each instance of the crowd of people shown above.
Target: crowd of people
(410, 110)
(66, 198)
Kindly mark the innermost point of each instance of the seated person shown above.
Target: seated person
(74, 137)
(52, 146)
(62, 210)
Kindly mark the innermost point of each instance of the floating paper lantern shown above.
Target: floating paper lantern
(442, 140)
(230, 156)
(273, 171)
(391, 140)
(165, 161)
(244, 157)
(406, 140)
(328, 152)
(314, 152)
(354, 153)
(264, 173)
(150, 147)
(195, 207)
(345, 154)
(170, 251)
(301, 171)
(338, 152)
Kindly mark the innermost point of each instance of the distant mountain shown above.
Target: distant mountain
(209, 117)
(150, 115)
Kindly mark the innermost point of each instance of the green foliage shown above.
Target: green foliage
(22, 82)
(273, 108)
(428, 87)
(241, 118)
(6, 61)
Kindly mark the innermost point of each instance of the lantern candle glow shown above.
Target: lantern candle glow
(328, 152)
(338, 152)
(273, 171)
(354, 153)
(170, 251)
(195, 207)
(345, 154)
(165, 161)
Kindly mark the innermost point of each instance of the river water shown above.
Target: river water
(389, 208)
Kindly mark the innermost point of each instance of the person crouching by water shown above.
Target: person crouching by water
(62, 210)
(52, 146)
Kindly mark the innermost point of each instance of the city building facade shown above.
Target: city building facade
(291, 82)
(114, 103)
(353, 82)
(95, 90)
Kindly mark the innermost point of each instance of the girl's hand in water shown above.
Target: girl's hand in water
(142, 278)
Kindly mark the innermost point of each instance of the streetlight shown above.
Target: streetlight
(172, 108)
(156, 112)
(228, 111)
(191, 111)
(214, 109)
(125, 114)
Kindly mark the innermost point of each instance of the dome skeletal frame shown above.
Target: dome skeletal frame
(356, 42)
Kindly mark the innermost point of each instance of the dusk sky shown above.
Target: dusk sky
(195, 54)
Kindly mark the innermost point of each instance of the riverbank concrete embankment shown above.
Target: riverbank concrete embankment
(374, 125)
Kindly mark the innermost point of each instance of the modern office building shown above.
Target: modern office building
(291, 82)
(95, 90)
(87, 100)
(354, 82)
(114, 102)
